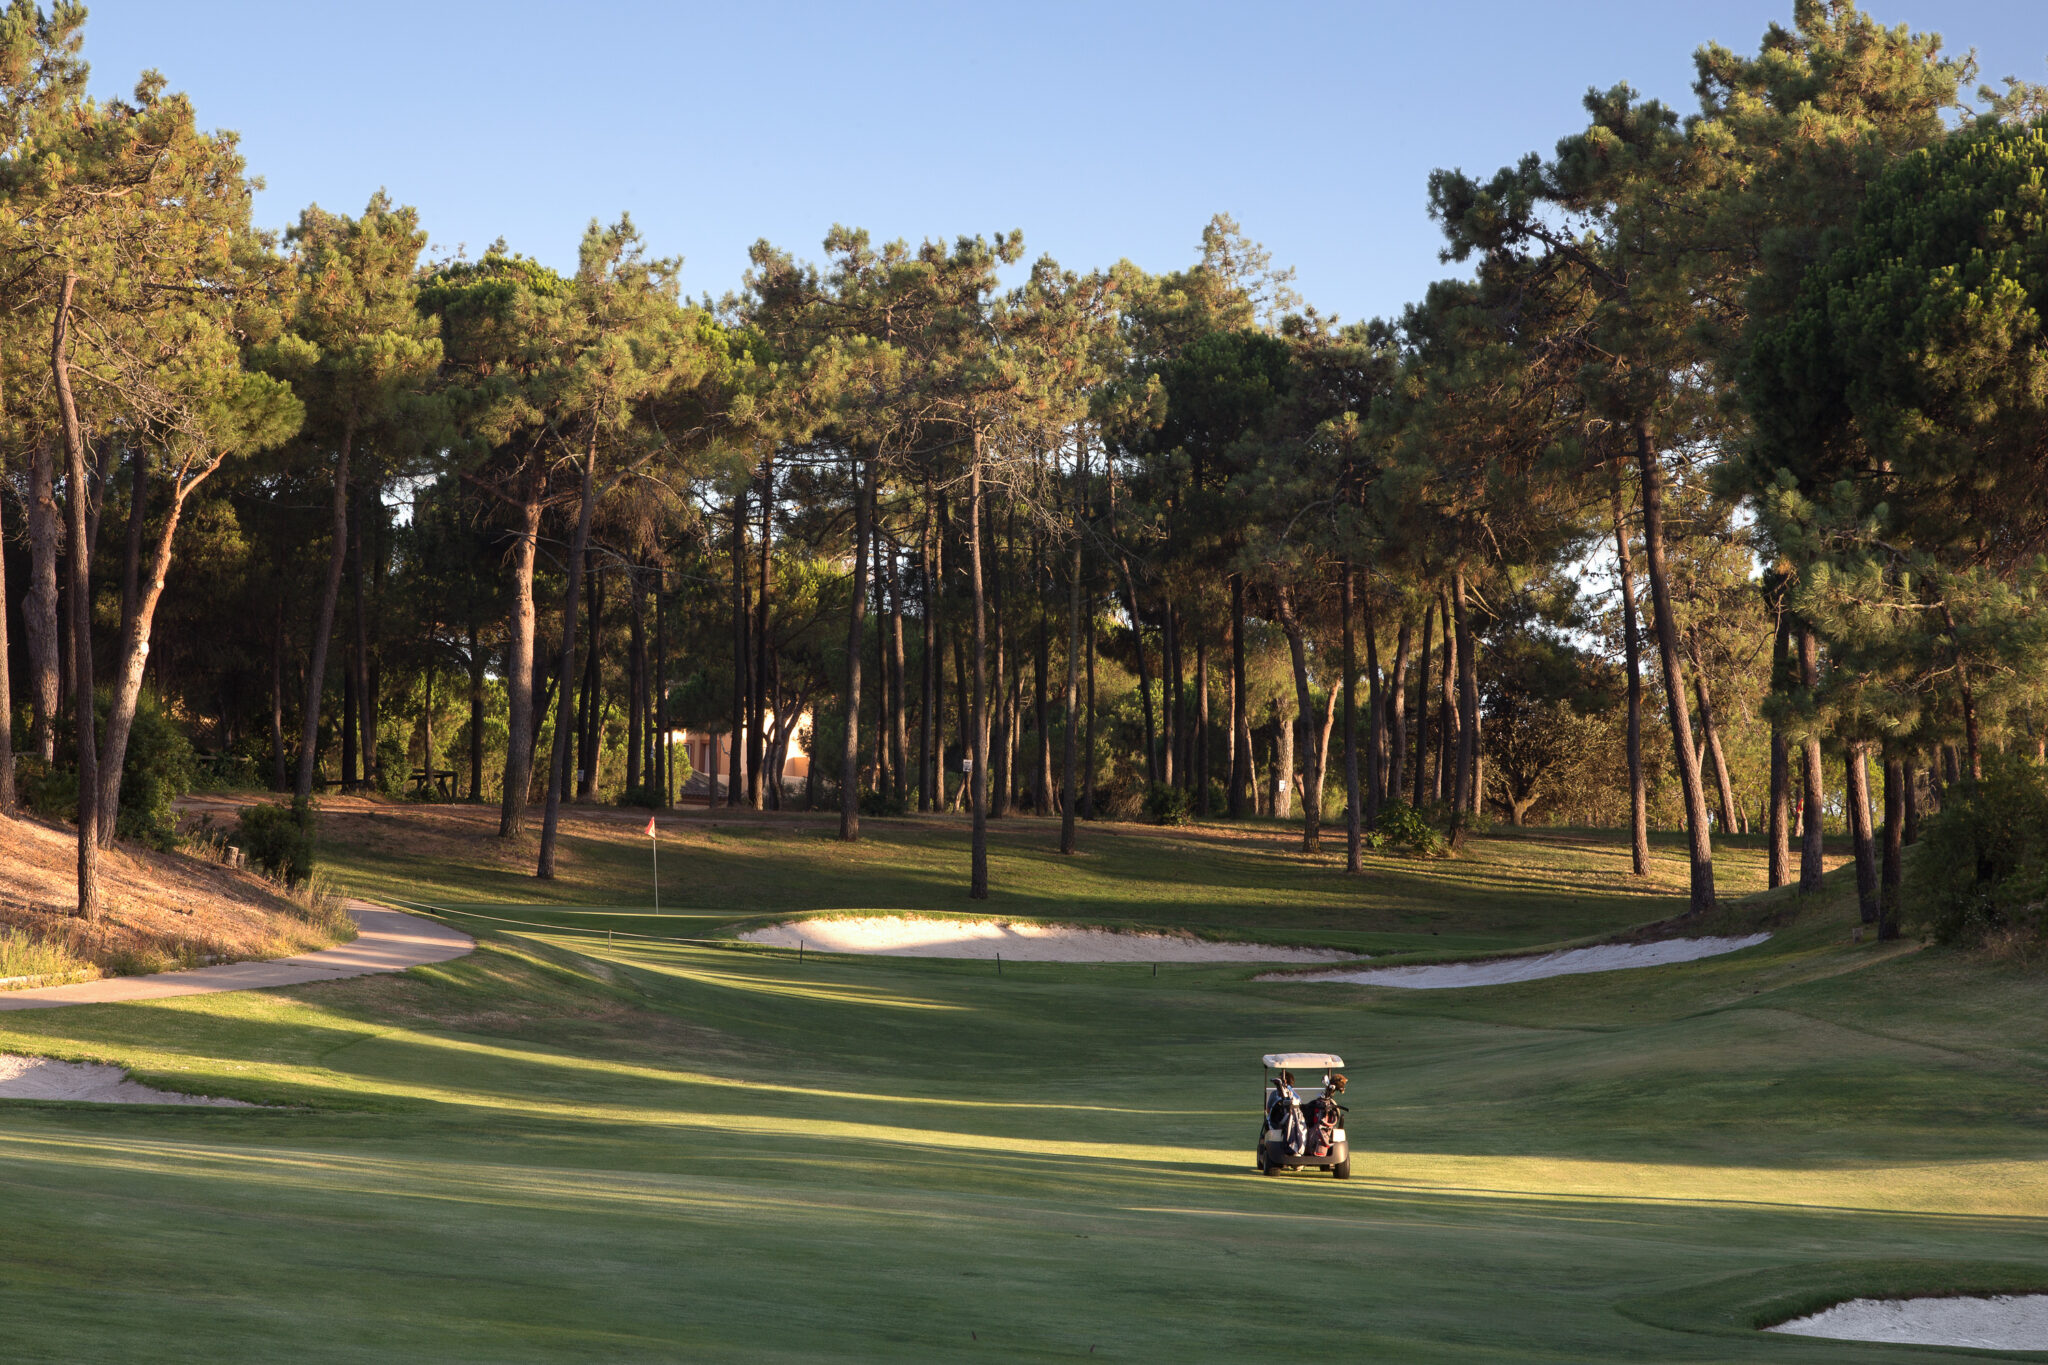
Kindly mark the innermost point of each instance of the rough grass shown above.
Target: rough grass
(559, 1149)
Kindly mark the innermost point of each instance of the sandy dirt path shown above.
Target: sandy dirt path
(386, 941)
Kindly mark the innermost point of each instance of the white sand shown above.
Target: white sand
(1608, 957)
(2008, 1322)
(909, 936)
(40, 1078)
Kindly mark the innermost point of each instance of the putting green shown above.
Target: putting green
(562, 1149)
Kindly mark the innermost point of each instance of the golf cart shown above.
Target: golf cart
(1297, 1130)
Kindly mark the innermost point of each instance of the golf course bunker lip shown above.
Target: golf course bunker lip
(44, 1078)
(1018, 941)
(1997, 1322)
(1606, 957)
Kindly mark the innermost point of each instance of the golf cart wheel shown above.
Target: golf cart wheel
(1269, 1168)
(1342, 1170)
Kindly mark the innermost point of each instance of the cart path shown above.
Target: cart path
(386, 941)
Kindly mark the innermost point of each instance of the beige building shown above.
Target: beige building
(711, 753)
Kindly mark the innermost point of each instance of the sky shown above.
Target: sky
(1104, 131)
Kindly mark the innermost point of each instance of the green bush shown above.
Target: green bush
(1982, 863)
(278, 839)
(646, 795)
(882, 804)
(1403, 826)
(1166, 805)
(394, 767)
(159, 768)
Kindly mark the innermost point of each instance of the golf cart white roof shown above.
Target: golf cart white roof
(1290, 1060)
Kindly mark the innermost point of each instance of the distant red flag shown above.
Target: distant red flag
(650, 827)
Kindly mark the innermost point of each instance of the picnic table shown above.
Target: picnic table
(427, 781)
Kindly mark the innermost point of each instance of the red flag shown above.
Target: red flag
(650, 827)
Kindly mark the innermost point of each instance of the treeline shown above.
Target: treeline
(1714, 483)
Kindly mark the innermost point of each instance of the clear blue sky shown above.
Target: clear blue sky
(1103, 130)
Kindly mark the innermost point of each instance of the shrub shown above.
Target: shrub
(881, 804)
(1982, 863)
(279, 839)
(646, 795)
(1166, 805)
(159, 768)
(1403, 826)
(394, 767)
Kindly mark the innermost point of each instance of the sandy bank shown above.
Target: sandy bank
(1608, 957)
(1017, 941)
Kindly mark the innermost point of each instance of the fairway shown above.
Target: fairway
(565, 1149)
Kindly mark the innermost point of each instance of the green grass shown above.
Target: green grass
(562, 1150)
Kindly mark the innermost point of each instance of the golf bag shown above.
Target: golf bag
(1324, 1117)
(1283, 1116)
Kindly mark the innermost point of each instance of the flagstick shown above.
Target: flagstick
(654, 847)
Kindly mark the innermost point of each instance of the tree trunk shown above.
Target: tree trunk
(1375, 711)
(999, 761)
(742, 668)
(1912, 802)
(1144, 675)
(1781, 758)
(856, 652)
(1810, 868)
(131, 550)
(1731, 816)
(930, 756)
(1088, 767)
(1891, 896)
(476, 713)
(1198, 728)
(1651, 474)
(39, 625)
(558, 758)
(977, 881)
(899, 729)
(1447, 705)
(1069, 793)
(366, 682)
(1422, 705)
(1041, 703)
(759, 776)
(664, 741)
(1353, 833)
(1312, 777)
(1631, 644)
(6, 682)
(636, 682)
(1283, 768)
(1465, 788)
(590, 703)
(80, 565)
(280, 777)
(521, 719)
(132, 658)
(1240, 727)
(1858, 793)
(1172, 713)
(1397, 709)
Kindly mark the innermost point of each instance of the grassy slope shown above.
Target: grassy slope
(565, 1151)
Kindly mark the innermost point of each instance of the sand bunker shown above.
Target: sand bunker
(1608, 957)
(907, 936)
(2007, 1322)
(40, 1078)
